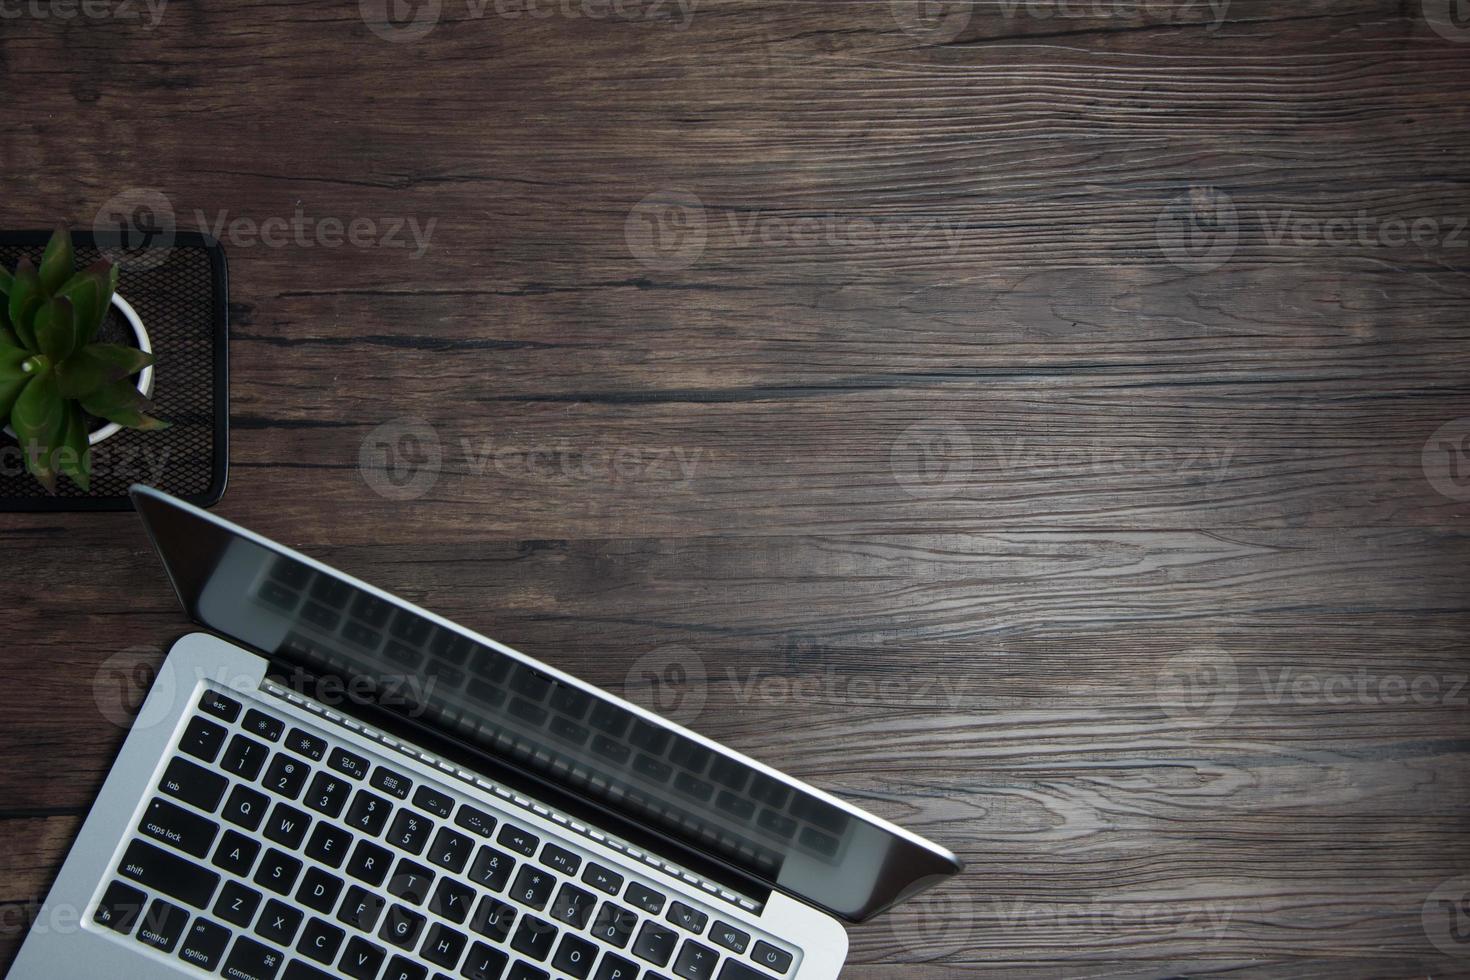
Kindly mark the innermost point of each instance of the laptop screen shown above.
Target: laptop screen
(536, 720)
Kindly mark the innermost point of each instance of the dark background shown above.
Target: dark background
(1108, 437)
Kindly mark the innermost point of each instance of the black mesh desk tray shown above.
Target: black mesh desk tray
(181, 295)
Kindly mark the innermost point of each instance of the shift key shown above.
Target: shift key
(176, 826)
(169, 874)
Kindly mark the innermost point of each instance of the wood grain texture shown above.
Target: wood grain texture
(926, 439)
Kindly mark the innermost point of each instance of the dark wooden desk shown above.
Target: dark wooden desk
(1003, 477)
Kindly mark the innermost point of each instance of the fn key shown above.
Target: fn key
(120, 907)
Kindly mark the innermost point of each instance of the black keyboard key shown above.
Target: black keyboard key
(484, 963)
(644, 898)
(452, 900)
(328, 844)
(348, 763)
(183, 780)
(517, 839)
(244, 758)
(410, 831)
(492, 868)
(168, 873)
(616, 968)
(307, 744)
(493, 919)
(729, 937)
(370, 863)
(362, 960)
(401, 968)
(655, 943)
(475, 821)
(410, 882)
(277, 871)
(443, 945)
(369, 813)
(328, 793)
(771, 957)
(286, 775)
(319, 890)
(735, 970)
(614, 924)
(278, 922)
(533, 887)
(685, 917)
(171, 824)
(120, 907)
(297, 970)
(219, 705)
(603, 879)
(202, 739)
(534, 937)
(525, 971)
(574, 956)
(401, 927)
(392, 783)
(287, 825)
(696, 962)
(263, 725)
(250, 960)
(561, 859)
(245, 807)
(434, 801)
(320, 940)
(451, 849)
(361, 908)
(237, 903)
(204, 944)
(573, 906)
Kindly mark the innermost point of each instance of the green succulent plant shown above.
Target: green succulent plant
(52, 375)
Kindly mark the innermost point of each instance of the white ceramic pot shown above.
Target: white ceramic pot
(145, 377)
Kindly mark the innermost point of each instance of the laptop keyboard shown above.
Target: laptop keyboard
(265, 852)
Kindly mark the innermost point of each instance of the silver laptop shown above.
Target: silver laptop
(332, 782)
